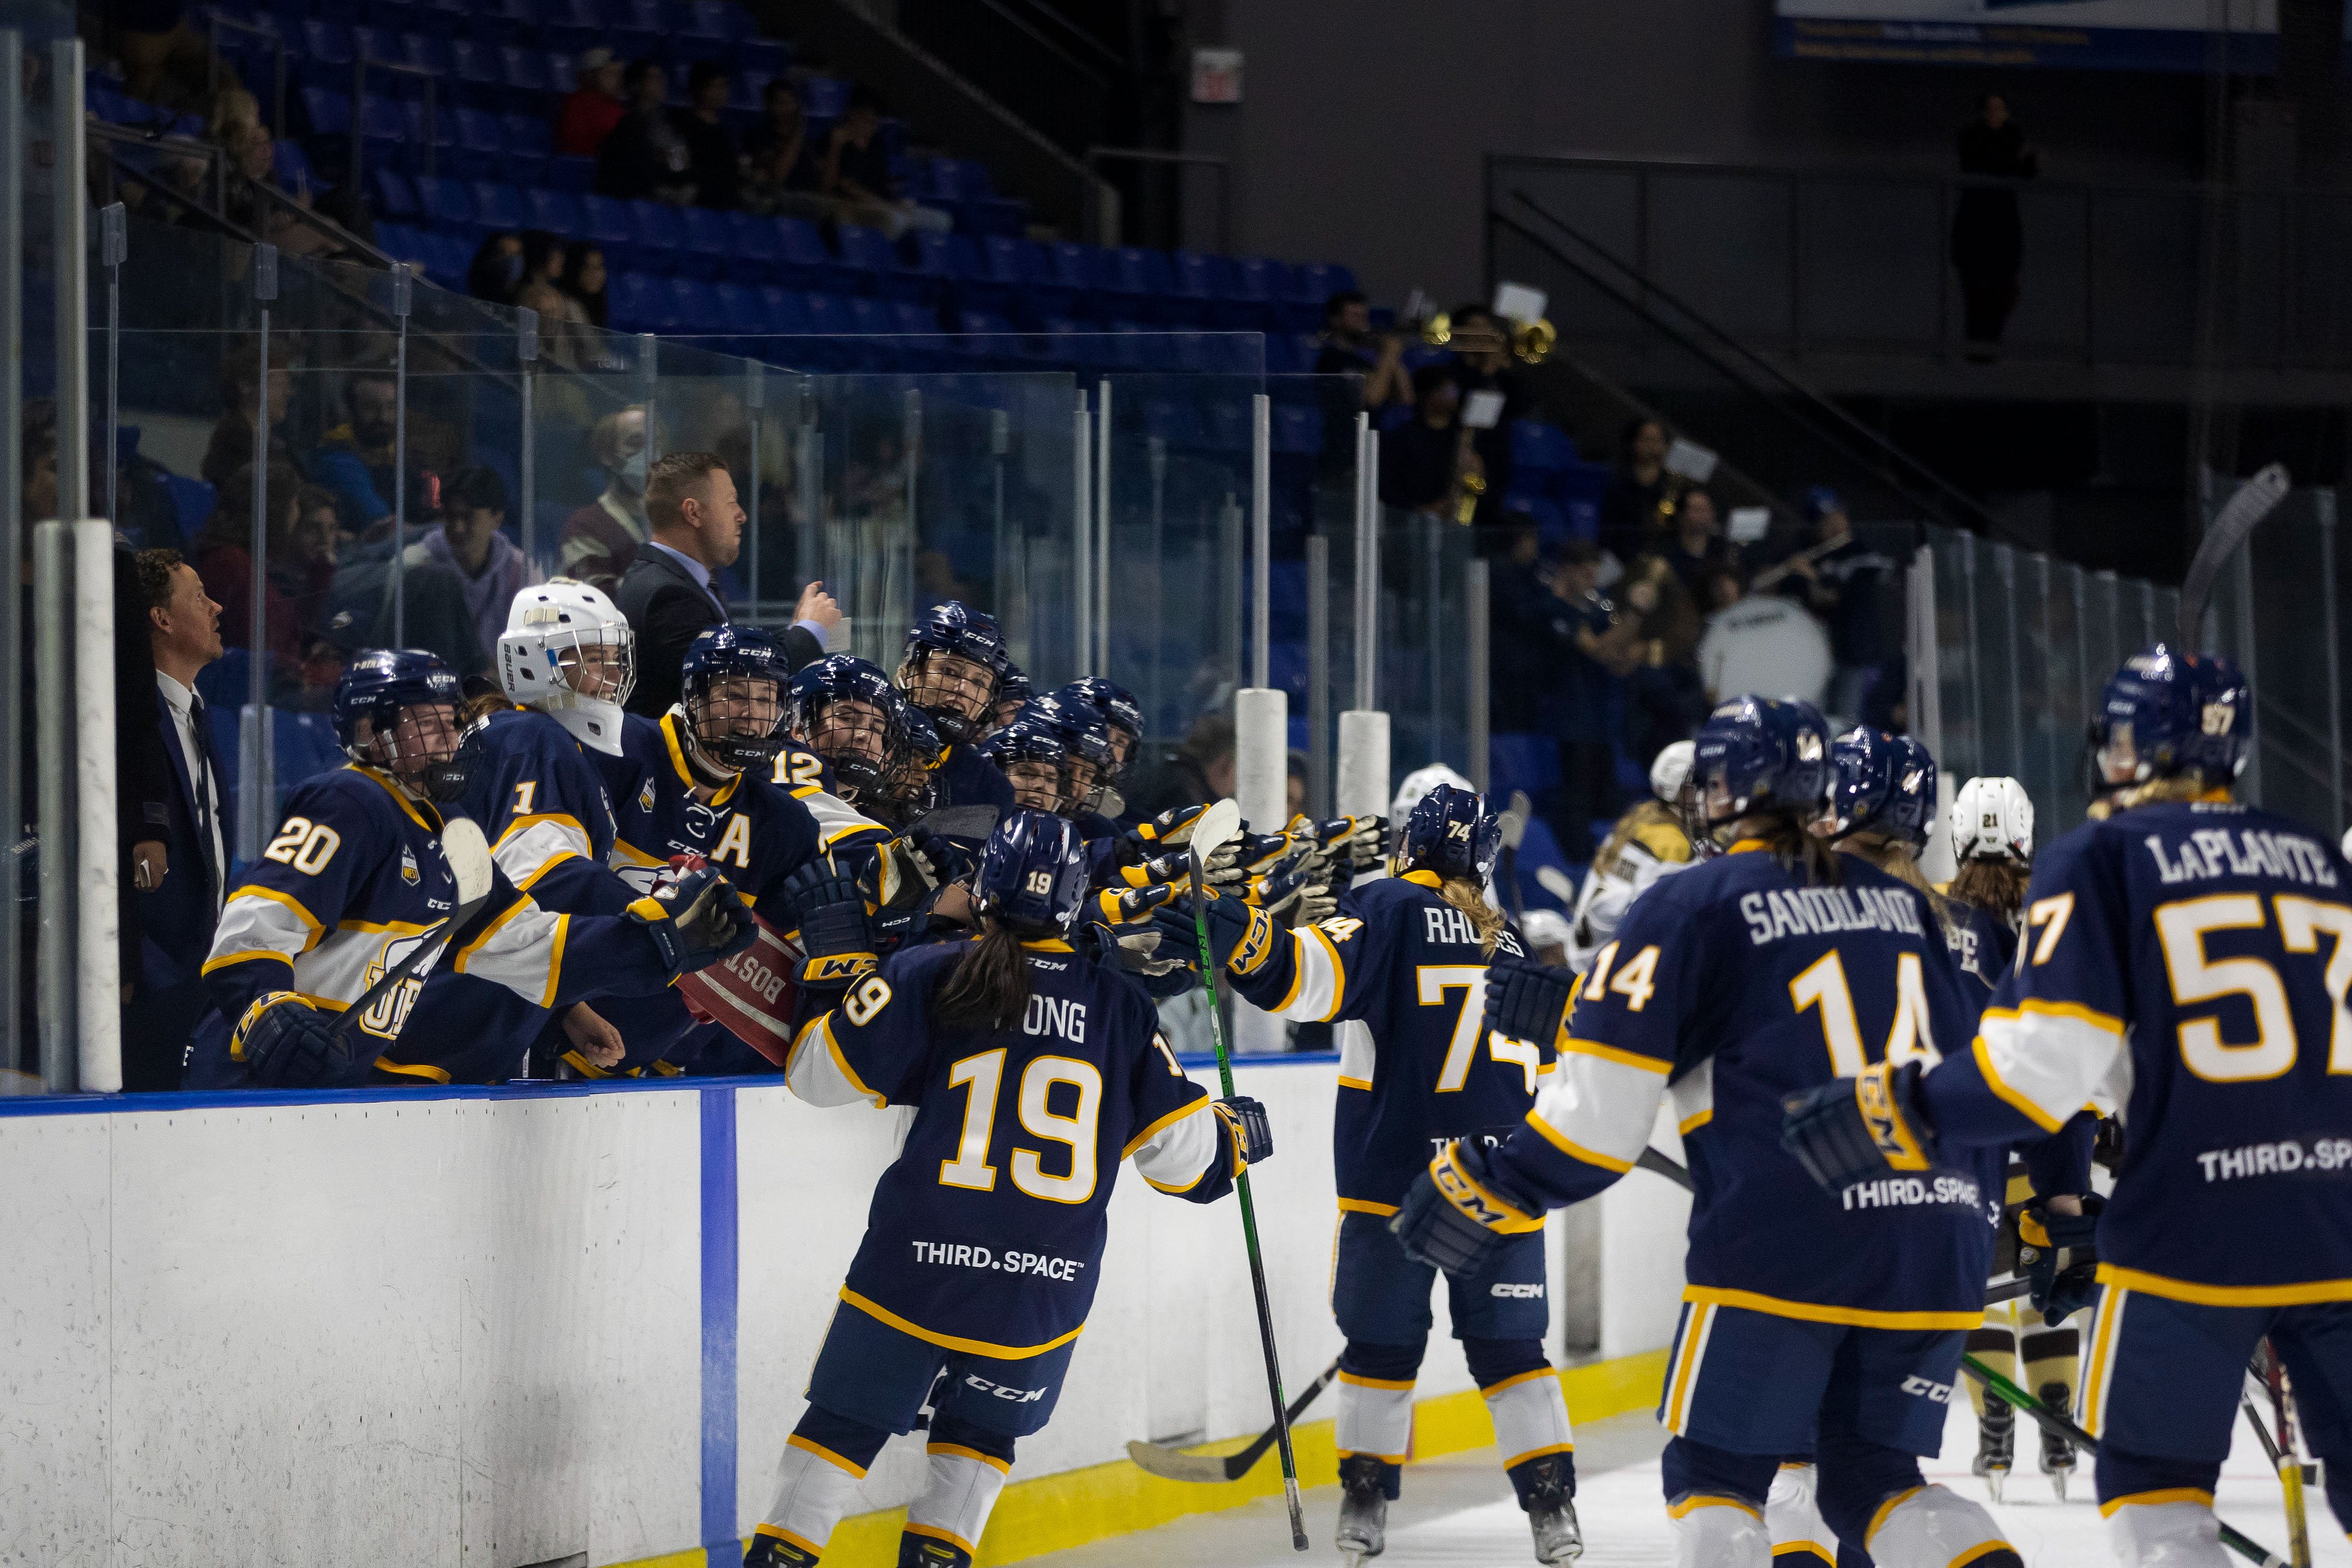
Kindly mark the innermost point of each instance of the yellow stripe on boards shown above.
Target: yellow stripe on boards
(1077, 1508)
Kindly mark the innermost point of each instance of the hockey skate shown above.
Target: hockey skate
(2057, 1454)
(925, 1551)
(1363, 1510)
(1996, 1444)
(1551, 1513)
(769, 1551)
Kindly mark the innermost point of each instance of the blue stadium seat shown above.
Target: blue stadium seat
(825, 96)
(572, 25)
(638, 26)
(709, 241)
(577, 176)
(192, 503)
(327, 44)
(435, 147)
(742, 309)
(697, 304)
(755, 247)
(497, 207)
(660, 238)
(786, 311)
(803, 259)
(393, 195)
(828, 315)
(1537, 449)
(562, 71)
(524, 70)
(557, 212)
(865, 257)
(609, 225)
(634, 302)
(429, 53)
(446, 202)
(481, 144)
(449, 257)
(945, 265)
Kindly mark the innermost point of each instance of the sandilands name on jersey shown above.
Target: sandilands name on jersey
(1824, 912)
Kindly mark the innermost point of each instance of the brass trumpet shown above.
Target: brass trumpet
(1532, 342)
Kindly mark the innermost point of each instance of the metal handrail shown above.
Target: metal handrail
(1022, 25)
(1938, 498)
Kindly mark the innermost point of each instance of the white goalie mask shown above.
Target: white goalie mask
(1669, 770)
(568, 652)
(1992, 819)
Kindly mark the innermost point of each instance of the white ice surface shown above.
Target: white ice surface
(1625, 1523)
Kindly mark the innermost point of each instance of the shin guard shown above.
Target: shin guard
(1934, 1526)
(1718, 1532)
(2180, 1532)
(1375, 1421)
(1530, 1417)
(1794, 1520)
(968, 1469)
(815, 1483)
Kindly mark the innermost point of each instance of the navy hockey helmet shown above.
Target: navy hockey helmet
(954, 660)
(732, 689)
(846, 711)
(912, 787)
(409, 698)
(1032, 873)
(1881, 783)
(1012, 694)
(1035, 761)
(1083, 735)
(2166, 713)
(1120, 712)
(1451, 832)
(1761, 754)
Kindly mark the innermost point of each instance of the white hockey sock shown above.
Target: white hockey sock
(1375, 1417)
(815, 1487)
(1794, 1518)
(1530, 1417)
(957, 1498)
(2178, 1533)
(1931, 1526)
(1713, 1531)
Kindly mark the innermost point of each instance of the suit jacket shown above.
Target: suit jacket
(668, 609)
(177, 917)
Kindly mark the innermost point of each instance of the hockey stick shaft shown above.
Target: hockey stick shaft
(2057, 1426)
(1238, 1465)
(428, 945)
(1249, 1213)
(2290, 1467)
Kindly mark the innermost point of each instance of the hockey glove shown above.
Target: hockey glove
(1173, 866)
(1367, 843)
(1296, 896)
(1244, 856)
(696, 921)
(828, 910)
(1459, 1210)
(943, 861)
(1240, 938)
(1124, 906)
(1857, 1129)
(286, 1043)
(2061, 1257)
(1247, 1131)
(1171, 829)
(1527, 1001)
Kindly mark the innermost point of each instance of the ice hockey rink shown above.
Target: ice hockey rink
(1457, 1512)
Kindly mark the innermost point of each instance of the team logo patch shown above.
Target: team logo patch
(645, 797)
(408, 872)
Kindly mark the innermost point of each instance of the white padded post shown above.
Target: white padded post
(1262, 789)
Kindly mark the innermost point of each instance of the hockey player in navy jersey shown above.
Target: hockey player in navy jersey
(1811, 1323)
(355, 877)
(697, 782)
(1122, 716)
(1035, 763)
(1033, 1071)
(2188, 958)
(1992, 845)
(566, 663)
(1402, 966)
(954, 660)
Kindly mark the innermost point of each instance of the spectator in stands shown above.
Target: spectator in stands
(179, 909)
(1348, 348)
(671, 592)
(592, 109)
(231, 447)
(583, 280)
(542, 261)
(1481, 364)
(856, 175)
(1196, 772)
(1591, 649)
(355, 459)
(1843, 580)
(225, 560)
(1638, 498)
(1665, 701)
(645, 158)
(489, 567)
(712, 160)
(307, 573)
(1696, 548)
(600, 541)
(779, 174)
(497, 272)
(164, 59)
(1522, 603)
(1423, 461)
(1987, 235)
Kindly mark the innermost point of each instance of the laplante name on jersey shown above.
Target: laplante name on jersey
(2242, 852)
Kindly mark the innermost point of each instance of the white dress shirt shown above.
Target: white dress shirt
(204, 807)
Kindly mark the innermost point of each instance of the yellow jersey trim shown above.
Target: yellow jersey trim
(2009, 1096)
(425, 1070)
(1423, 880)
(960, 1452)
(1516, 1461)
(555, 959)
(1338, 972)
(940, 1533)
(1692, 1124)
(1803, 1548)
(1365, 1205)
(686, 775)
(1697, 1500)
(827, 1455)
(636, 856)
(948, 1341)
(1391, 1384)
(1814, 1313)
(2105, 1022)
(834, 1047)
(457, 964)
(2295, 1295)
(395, 928)
(2167, 1494)
(1492, 1389)
(390, 786)
(1889, 1506)
(1363, 1083)
(1576, 1151)
(1173, 1117)
(1618, 1054)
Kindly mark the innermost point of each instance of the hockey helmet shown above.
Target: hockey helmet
(1761, 754)
(1450, 831)
(846, 711)
(1032, 873)
(1035, 761)
(1121, 712)
(569, 652)
(2166, 713)
(1992, 819)
(953, 662)
(731, 688)
(1670, 771)
(408, 698)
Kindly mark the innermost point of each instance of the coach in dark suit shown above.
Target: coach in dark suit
(179, 909)
(670, 593)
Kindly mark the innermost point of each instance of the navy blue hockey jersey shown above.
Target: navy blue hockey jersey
(1418, 1069)
(753, 830)
(987, 1233)
(2188, 964)
(353, 879)
(968, 778)
(1728, 987)
(1982, 943)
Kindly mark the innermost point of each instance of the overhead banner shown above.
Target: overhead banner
(2098, 34)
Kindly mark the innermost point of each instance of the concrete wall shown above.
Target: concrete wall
(1365, 121)
(483, 1328)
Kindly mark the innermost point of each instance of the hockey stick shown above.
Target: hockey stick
(1175, 1465)
(1554, 881)
(2057, 1426)
(1220, 823)
(2287, 1462)
(1513, 823)
(2254, 501)
(469, 862)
